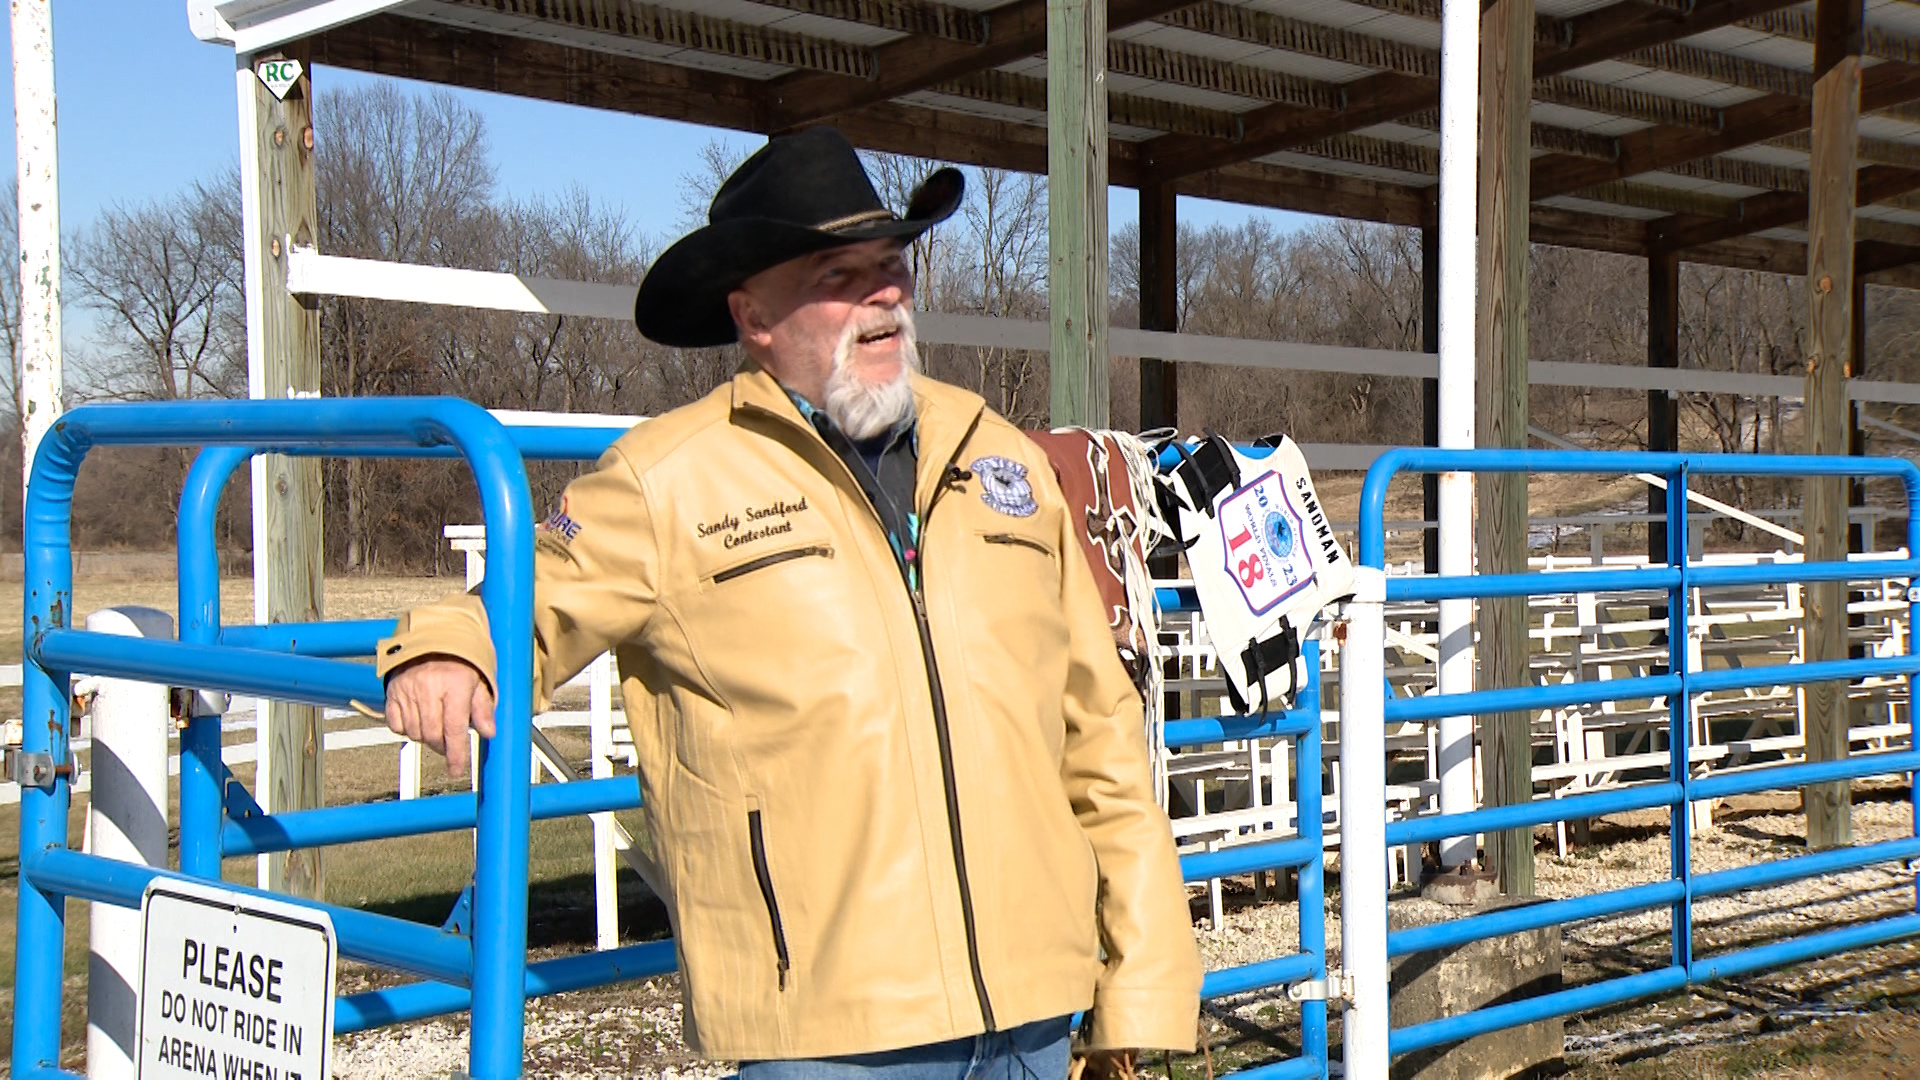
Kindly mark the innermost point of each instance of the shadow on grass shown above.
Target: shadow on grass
(560, 912)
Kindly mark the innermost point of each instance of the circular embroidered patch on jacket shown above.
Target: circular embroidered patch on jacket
(1004, 486)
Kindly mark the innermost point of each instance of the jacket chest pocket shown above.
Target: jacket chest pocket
(1018, 540)
(1022, 569)
(1009, 551)
(767, 561)
(764, 627)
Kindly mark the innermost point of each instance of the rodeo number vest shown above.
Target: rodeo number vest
(1264, 560)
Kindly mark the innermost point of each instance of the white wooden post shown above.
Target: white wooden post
(1363, 825)
(37, 151)
(126, 820)
(1459, 192)
(606, 886)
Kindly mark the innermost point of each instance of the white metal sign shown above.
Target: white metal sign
(279, 76)
(233, 985)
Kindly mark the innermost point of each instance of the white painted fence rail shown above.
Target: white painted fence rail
(309, 272)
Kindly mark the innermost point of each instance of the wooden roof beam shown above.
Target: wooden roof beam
(1133, 110)
(1758, 120)
(1668, 200)
(409, 48)
(1724, 68)
(1877, 42)
(1620, 101)
(1410, 82)
(1877, 256)
(1870, 150)
(1018, 30)
(923, 17)
(1205, 73)
(1425, 161)
(1753, 174)
(1253, 26)
(1774, 210)
(632, 21)
(1553, 140)
(1123, 57)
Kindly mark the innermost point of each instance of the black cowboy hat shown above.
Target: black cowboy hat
(796, 195)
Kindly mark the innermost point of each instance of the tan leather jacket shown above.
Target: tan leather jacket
(882, 820)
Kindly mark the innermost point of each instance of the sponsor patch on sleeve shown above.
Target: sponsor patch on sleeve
(560, 524)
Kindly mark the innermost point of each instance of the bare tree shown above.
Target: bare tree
(405, 178)
(165, 279)
(996, 264)
(10, 296)
(713, 163)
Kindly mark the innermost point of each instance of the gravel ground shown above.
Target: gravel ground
(1864, 1003)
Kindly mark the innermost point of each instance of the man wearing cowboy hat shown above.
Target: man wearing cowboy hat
(890, 760)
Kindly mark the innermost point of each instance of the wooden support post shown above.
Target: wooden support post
(1500, 528)
(1159, 302)
(1077, 208)
(1430, 388)
(1663, 408)
(1857, 528)
(1160, 379)
(283, 360)
(1830, 294)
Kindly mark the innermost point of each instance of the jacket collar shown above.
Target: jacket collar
(945, 416)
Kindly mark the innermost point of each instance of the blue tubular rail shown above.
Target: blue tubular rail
(1678, 688)
(494, 962)
(417, 1001)
(1303, 852)
(294, 829)
(376, 939)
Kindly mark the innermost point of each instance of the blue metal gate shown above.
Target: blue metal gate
(1369, 1041)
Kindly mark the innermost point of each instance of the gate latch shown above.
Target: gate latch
(1337, 986)
(33, 770)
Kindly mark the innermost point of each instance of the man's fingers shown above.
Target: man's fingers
(433, 701)
(482, 709)
(455, 736)
(433, 721)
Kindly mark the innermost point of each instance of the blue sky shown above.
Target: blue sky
(145, 109)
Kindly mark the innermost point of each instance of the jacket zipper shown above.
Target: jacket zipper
(760, 871)
(1014, 540)
(774, 559)
(946, 755)
(939, 706)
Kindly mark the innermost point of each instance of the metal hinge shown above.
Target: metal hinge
(33, 770)
(1337, 986)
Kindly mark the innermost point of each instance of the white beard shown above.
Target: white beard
(860, 409)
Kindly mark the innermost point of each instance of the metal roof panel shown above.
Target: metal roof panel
(1343, 168)
(1588, 206)
(1886, 127)
(1187, 41)
(1770, 155)
(835, 29)
(1891, 213)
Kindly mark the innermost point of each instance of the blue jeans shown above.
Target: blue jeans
(1036, 1051)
